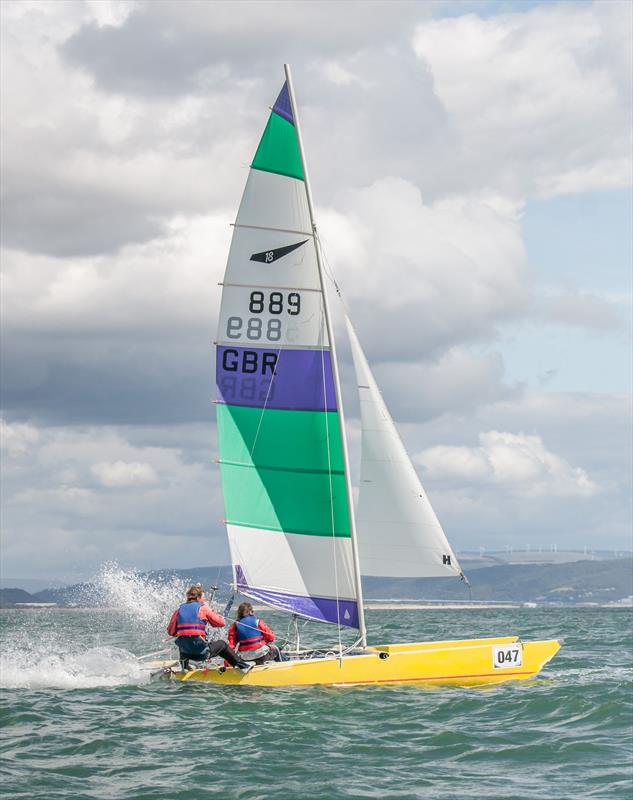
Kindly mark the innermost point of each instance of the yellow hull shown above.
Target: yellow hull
(467, 662)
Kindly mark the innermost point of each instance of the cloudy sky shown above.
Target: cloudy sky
(471, 165)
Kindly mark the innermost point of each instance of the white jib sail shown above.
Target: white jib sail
(399, 533)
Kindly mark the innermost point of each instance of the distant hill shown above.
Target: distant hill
(571, 583)
(574, 582)
(9, 597)
(89, 594)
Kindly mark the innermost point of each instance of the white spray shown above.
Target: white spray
(84, 648)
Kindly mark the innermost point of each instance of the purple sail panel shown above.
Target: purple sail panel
(323, 609)
(282, 105)
(297, 380)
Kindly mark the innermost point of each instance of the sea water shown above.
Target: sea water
(81, 719)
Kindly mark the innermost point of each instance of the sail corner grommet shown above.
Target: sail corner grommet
(383, 655)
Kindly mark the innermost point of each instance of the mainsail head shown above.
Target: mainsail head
(281, 460)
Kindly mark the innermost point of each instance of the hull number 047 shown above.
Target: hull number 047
(505, 656)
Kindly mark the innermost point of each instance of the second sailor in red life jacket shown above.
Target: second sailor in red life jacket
(252, 638)
(188, 624)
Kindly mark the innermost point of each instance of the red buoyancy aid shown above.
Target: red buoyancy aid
(189, 623)
(249, 636)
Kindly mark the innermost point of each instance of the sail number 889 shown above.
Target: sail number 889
(275, 305)
(257, 328)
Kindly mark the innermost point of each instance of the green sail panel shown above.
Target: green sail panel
(279, 438)
(290, 502)
(278, 149)
(276, 474)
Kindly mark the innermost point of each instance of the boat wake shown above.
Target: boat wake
(55, 669)
(87, 646)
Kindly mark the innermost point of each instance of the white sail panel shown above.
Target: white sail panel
(399, 533)
(295, 270)
(282, 318)
(275, 201)
(274, 566)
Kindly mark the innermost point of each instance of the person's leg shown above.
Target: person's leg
(269, 655)
(274, 652)
(221, 648)
(181, 643)
(192, 647)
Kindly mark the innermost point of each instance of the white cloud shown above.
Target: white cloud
(335, 72)
(106, 148)
(514, 462)
(85, 173)
(79, 496)
(587, 431)
(255, 37)
(143, 319)
(439, 272)
(541, 100)
(17, 439)
(167, 283)
(459, 381)
(127, 130)
(582, 309)
(114, 474)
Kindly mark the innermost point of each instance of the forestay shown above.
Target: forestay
(399, 534)
(282, 465)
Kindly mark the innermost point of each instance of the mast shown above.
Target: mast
(337, 382)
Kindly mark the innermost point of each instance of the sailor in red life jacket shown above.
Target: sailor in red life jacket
(188, 624)
(252, 638)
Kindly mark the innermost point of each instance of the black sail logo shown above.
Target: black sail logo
(268, 256)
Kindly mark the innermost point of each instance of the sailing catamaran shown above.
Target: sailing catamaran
(296, 541)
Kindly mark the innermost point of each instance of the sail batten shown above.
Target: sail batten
(283, 472)
(270, 286)
(268, 228)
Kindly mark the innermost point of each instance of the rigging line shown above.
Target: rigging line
(330, 273)
(261, 416)
(329, 270)
(292, 622)
(245, 624)
(215, 633)
(217, 577)
(154, 653)
(283, 644)
(329, 460)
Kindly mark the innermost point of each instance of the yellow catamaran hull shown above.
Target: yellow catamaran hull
(466, 662)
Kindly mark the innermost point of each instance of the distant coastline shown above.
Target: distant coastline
(586, 582)
(373, 605)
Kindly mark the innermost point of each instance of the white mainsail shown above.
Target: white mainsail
(282, 459)
(399, 533)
